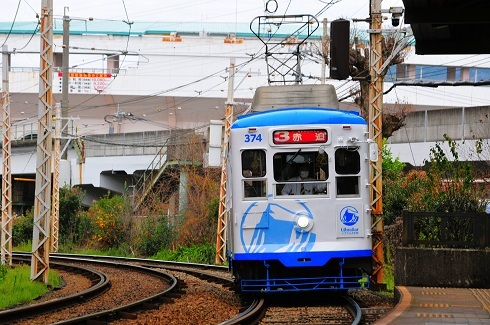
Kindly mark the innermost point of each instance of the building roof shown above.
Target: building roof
(140, 28)
(449, 26)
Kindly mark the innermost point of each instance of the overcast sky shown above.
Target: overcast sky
(186, 10)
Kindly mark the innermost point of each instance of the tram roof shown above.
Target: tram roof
(298, 116)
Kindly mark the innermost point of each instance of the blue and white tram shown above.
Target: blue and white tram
(299, 216)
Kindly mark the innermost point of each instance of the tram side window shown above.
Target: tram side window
(253, 172)
(347, 167)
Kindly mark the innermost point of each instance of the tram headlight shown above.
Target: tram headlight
(303, 222)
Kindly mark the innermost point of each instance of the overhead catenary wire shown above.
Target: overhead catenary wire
(36, 29)
(11, 26)
(80, 106)
(143, 98)
(161, 92)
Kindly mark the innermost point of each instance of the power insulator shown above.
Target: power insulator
(339, 49)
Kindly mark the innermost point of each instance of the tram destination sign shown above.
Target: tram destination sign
(300, 136)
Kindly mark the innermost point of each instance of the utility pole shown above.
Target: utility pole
(119, 119)
(7, 219)
(42, 196)
(220, 257)
(66, 73)
(325, 43)
(375, 133)
(61, 111)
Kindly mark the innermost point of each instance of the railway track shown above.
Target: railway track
(79, 308)
(325, 308)
(175, 297)
(99, 283)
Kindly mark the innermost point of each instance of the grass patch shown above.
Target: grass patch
(389, 277)
(23, 247)
(16, 287)
(388, 270)
(202, 254)
(123, 251)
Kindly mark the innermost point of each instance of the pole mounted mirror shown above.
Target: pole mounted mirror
(373, 151)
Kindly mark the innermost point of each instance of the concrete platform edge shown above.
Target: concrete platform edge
(404, 301)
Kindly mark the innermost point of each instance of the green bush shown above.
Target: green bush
(155, 234)
(394, 194)
(85, 229)
(22, 228)
(70, 218)
(111, 224)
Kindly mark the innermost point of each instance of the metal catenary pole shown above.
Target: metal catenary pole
(220, 257)
(66, 73)
(375, 133)
(42, 197)
(7, 219)
(55, 207)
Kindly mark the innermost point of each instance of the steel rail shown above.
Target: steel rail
(353, 307)
(108, 314)
(252, 315)
(100, 283)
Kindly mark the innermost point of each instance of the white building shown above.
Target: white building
(154, 77)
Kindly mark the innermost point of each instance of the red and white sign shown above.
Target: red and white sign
(300, 136)
(86, 82)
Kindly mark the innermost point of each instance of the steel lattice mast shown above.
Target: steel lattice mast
(56, 181)
(375, 133)
(220, 257)
(42, 200)
(7, 220)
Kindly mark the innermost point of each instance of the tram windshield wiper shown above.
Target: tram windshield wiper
(289, 163)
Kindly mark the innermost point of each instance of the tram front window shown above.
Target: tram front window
(301, 173)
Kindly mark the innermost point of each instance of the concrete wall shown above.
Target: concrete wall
(126, 144)
(440, 267)
(424, 129)
(464, 123)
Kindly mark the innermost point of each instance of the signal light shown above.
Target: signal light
(339, 49)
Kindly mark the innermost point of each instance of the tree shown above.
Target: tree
(109, 218)
(393, 117)
(70, 217)
(186, 192)
(479, 149)
(452, 181)
(394, 193)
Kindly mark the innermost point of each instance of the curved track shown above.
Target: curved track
(100, 283)
(256, 309)
(98, 288)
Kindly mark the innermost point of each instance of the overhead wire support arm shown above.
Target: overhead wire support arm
(282, 53)
(400, 46)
